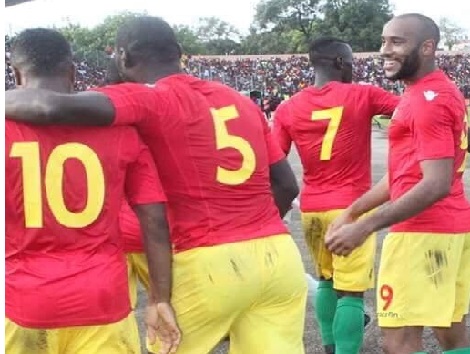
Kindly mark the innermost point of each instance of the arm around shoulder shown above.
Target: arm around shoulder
(39, 106)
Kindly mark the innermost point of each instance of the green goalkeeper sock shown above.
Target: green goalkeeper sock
(458, 351)
(348, 325)
(325, 307)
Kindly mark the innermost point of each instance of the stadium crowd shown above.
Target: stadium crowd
(272, 77)
(291, 75)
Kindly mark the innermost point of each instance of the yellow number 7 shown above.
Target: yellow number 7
(334, 115)
(464, 143)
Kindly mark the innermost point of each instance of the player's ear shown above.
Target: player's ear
(338, 63)
(18, 77)
(180, 50)
(72, 74)
(124, 58)
(428, 47)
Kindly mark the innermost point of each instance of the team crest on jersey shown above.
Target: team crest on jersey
(430, 95)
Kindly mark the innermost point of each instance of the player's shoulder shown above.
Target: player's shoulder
(435, 89)
(13, 129)
(362, 88)
(299, 98)
(18, 131)
(224, 93)
(438, 97)
(117, 138)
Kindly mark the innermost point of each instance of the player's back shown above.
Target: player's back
(216, 178)
(64, 259)
(331, 129)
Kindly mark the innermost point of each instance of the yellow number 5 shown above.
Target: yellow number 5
(225, 140)
(464, 143)
(29, 154)
(334, 115)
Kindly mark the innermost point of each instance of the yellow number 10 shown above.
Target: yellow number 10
(334, 115)
(464, 143)
(29, 154)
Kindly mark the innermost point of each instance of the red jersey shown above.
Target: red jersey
(213, 148)
(331, 129)
(430, 123)
(64, 186)
(130, 230)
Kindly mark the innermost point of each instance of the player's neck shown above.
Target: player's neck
(322, 80)
(150, 75)
(52, 84)
(425, 70)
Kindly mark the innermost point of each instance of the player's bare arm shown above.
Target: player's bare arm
(280, 131)
(468, 140)
(384, 102)
(47, 107)
(160, 319)
(157, 245)
(375, 197)
(284, 185)
(435, 185)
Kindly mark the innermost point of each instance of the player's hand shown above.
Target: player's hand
(161, 323)
(346, 217)
(345, 239)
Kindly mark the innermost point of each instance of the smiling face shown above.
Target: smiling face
(401, 49)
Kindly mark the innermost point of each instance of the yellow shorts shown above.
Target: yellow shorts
(354, 273)
(116, 338)
(255, 291)
(137, 270)
(424, 280)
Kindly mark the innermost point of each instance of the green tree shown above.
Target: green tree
(282, 15)
(270, 42)
(106, 31)
(90, 41)
(450, 32)
(217, 36)
(189, 40)
(358, 22)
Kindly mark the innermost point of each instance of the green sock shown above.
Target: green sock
(458, 351)
(325, 306)
(348, 326)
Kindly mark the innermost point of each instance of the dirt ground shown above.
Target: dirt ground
(311, 335)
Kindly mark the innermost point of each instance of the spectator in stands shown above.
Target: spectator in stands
(276, 78)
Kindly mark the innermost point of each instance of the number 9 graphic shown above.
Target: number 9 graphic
(386, 294)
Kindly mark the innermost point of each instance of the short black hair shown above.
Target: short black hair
(429, 29)
(325, 49)
(149, 39)
(41, 52)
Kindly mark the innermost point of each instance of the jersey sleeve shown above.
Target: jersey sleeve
(143, 184)
(281, 129)
(275, 153)
(133, 103)
(383, 102)
(433, 129)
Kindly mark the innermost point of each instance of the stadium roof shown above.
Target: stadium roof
(14, 2)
